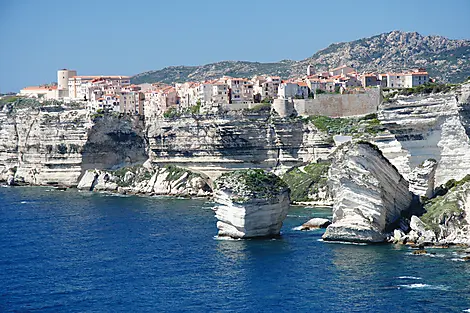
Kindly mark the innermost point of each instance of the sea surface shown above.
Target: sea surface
(70, 251)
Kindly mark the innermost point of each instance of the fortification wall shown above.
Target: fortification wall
(333, 105)
(338, 105)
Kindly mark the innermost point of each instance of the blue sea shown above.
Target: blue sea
(70, 251)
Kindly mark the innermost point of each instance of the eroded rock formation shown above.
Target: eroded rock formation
(54, 145)
(148, 180)
(252, 203)
(421, 127)
(369, 194)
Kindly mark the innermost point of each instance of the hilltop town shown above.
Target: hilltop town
(118, 94)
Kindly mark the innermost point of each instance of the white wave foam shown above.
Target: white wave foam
(224, 238)
(409, 277)
(467, 310)
(424, 286)
(24, 202)
(345, 242)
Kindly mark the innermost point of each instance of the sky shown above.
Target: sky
(114, 37)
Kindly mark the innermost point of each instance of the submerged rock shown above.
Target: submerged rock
(315, 223)
(369, 194)
(252, 203)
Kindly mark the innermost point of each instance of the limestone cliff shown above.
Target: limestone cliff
(252, 203)
(433, 126)
(215, 144)
(369, 194)
(55, 144)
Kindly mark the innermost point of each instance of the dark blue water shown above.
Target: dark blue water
(81, 252)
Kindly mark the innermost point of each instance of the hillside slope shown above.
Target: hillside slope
(446, 59)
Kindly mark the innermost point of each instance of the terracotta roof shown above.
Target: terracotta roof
(302, 84)
(42, 88)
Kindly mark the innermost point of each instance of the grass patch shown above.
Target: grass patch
(368, 124)
(444, 206)
(307, 180)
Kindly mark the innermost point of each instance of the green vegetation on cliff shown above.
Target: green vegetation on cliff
(444, 206)
(244, 185)
(306, 180)
(368, 124)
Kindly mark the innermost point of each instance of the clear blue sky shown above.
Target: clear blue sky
(38, 37)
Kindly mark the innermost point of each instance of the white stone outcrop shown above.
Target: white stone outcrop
(419, 233)
(421, 179)
(420, 127)
(252, 203)
(172, 181)
(369, 194)
(315, 223)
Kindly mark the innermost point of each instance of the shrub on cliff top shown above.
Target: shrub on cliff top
(445, 205)
(304, 180)
(368, 124)
(252, 183)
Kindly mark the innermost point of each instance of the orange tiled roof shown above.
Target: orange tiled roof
(43, 88)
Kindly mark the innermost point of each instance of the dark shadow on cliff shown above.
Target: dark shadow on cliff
(114, 141)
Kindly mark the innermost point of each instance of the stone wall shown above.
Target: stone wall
(340, 105)
(333, 105)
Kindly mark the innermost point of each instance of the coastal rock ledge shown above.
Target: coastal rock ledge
(252, 203)
(369, 194)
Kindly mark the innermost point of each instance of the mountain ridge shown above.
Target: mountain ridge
(447, 60)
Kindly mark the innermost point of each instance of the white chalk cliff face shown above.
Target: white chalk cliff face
(369, 194)
(54, 145)
(217, 144)
(421, 179)
(43, 147)
(252, 203)
(434, 126)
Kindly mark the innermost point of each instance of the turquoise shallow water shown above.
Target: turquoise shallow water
(82, 252)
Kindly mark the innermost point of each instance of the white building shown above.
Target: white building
(80, 87)
(341, 70)
(293, 90)
(205, 91)
(220, 93)
(265, 87)
(416, 78)
(45, 92)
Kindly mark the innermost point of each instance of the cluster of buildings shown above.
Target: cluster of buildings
(116, 93)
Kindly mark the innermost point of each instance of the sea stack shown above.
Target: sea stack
(369, 194)
(252, 203)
